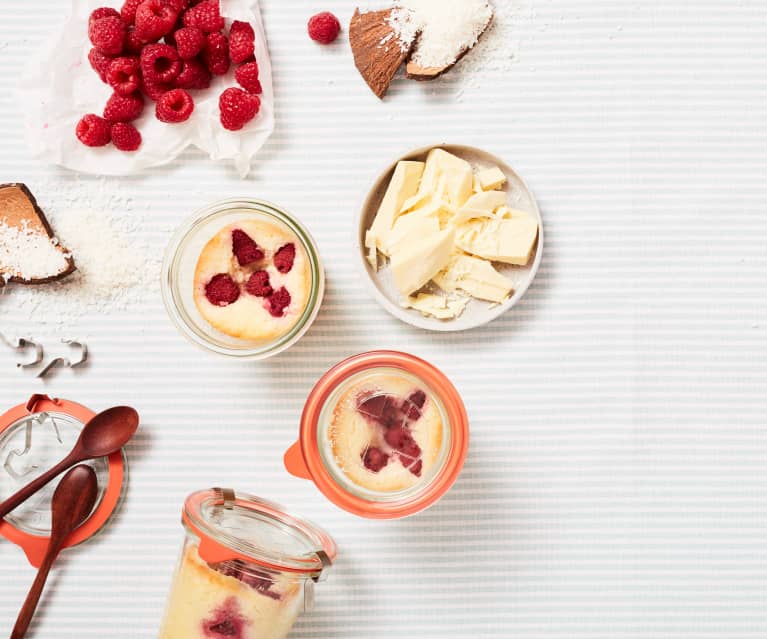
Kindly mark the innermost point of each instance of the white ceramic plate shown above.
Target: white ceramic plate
(477, 312)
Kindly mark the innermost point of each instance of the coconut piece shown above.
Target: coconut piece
(377, 48)
(414, 71)
(29, 250)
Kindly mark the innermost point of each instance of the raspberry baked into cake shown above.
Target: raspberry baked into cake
(253, 281)
(386, 433)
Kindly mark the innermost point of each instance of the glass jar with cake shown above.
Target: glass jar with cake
(243, 278)
(383, 435)
(247, 569)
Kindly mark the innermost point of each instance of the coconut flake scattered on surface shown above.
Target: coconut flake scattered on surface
(116, 270)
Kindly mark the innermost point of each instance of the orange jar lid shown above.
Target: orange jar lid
(309, 459)
(33, 437)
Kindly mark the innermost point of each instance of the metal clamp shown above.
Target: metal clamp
(64, 361)
(22, 344)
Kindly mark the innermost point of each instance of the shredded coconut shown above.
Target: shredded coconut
(116, 270)
(447, 28)
(27, 253)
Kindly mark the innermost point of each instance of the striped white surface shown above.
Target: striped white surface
(616, 483)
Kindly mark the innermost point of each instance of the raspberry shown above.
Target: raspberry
(123, 75)
(226, 621)
(154, 90)
(205, 16)
(258, 284)
(175, 106)
(128, 11)
(324, 28)
(412, 406)
(375, 459)
(160, 63)
(401, 439)
(124, 108)
(278, 302)
(247, 76)
(189, 42)
(178, 5)
(133, 43)
(92, 130)
(242, 41)
(284, 258)
(194, 75)
(216, 53)
(237, 108)
(100, 62)
(245, 249)
(154, 19)
(381, 409)
(108, 34)
(125, 136)
(222, 290)
(417, 468)
(102, 12)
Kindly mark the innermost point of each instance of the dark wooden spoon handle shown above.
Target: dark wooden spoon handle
(32, 487)
(33, 597)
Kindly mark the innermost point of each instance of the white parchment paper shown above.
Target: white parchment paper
(60, 87)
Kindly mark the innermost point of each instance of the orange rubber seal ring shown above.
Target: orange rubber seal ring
(35, 546)
(303, 459)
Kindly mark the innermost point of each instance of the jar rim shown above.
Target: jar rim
(218, 545)
(199, 219)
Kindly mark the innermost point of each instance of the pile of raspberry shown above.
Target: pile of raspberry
(163, 50)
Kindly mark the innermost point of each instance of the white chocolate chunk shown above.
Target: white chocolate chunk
(403, 185)
(416, 262)
(476, 277)
(500, 240)
(491, 179)
(413, 227)
(443, 308)
(480, 205)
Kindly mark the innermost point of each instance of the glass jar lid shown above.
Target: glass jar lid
(233, 525)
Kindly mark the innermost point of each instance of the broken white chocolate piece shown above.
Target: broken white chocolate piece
(491, 179)
(480, 205)
(476, 277)
(414, 264)
(404, 184)
(444, 308)
(500, 240)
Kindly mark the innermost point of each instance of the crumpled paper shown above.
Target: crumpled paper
(60, 87)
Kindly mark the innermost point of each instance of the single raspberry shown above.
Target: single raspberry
(226, 621)
(92, 130)
(189, 42)
(124, 108)
(216, 53)
(133, 43)
(237, 108)
(324, 27)
(258, 284)
(412, 406)
(154, 90)
(125, 136)
(242, 41)
(128, 11)
(381, 409)
(175, 106)
(247, 76)
(194, 75)
(284, 258)
(102, 12)
(123, 75)
(108, 34)
(205, 16)
(401, 439)
(154, 18)
(417, 468)
(100, 62)
(222, 290)
(245, 249)
(278, 302)
(375, 459)
(160, 63)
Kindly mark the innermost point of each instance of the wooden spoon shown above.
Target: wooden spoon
(103, 435)
(73, 501)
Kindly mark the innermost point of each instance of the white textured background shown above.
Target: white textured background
(616, 482)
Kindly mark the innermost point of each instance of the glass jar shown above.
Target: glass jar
(383, 435)
(179, 285)
(247, 569)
